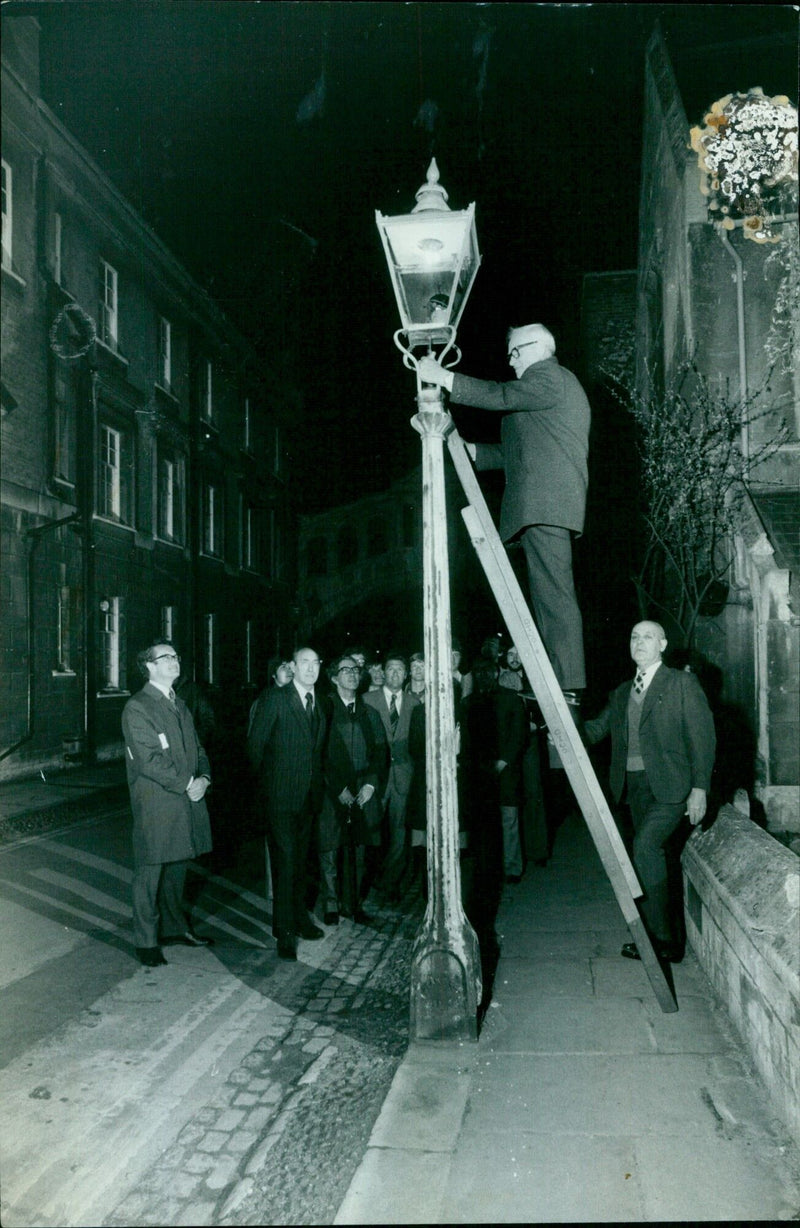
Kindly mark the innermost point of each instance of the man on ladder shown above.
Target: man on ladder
(543, 450)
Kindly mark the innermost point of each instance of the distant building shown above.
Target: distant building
(360, 572)
(143, 484)
(708, 293)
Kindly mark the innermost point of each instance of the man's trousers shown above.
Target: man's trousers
(396, 859)
(157, 897)
(288, 838)
(653, 824)
(548, 554)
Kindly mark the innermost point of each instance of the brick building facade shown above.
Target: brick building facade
(143, 491)
(707, 293)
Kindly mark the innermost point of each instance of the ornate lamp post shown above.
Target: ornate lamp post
(433, 257)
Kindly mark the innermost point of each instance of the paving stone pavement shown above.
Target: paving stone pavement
(311, 1086)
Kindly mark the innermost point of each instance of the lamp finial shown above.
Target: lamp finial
(431, 195)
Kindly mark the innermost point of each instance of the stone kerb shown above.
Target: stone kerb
(742, 897)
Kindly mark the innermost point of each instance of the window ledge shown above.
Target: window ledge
(167, 393)
(117, 524)
(112, 353)
(214, 558)
(112, 693)
(14, 278)
(63, 673)
(169, 541)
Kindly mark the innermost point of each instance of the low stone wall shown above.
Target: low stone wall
(742, 905)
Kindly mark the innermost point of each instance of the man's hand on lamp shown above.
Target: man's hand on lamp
(432, 372)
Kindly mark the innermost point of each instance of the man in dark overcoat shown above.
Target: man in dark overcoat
(356, 766)
(544, 449)
(662, 756)
(284, 744)
(168, 774)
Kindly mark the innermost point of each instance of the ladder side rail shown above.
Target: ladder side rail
(537, 665)
(599, 819)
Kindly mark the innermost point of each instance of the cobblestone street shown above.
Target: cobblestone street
(280, 1140)
(198, 1092)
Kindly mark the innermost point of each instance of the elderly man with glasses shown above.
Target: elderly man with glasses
(168, 774)
(543, 450)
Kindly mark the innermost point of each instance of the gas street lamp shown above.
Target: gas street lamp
(433, 257)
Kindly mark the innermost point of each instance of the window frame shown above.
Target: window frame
(111, 648)
(108, 307)
(213, 519)
(247, 442)
(165, 353)
(210, 647)
(122, 481)
(171, 510)
(65, 426)
(7, 191)
(207, 400)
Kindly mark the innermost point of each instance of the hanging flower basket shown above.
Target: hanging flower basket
(747, 154)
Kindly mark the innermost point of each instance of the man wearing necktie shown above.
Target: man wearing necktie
(284, 744)
(356, 765)
(394, 706)
(662, 754)
(168, 774)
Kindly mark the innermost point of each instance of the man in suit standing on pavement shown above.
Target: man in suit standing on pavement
(662, 754)
(356, 767)
(284, 744)
(394, 706)
(168, 775)
(543, 450)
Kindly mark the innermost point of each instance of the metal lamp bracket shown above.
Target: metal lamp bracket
(405, 343)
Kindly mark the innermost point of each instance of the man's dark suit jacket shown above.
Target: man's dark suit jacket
(676, 735)
(286, 751)
(340, 773)
(544, 444)
(401, 768)
(162, 754)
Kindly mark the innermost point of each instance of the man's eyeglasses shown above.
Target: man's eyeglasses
(514, 352)
(349, 669)
(166, 656)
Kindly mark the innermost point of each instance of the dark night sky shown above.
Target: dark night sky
(259, 138)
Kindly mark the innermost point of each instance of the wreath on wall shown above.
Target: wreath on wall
(747, 154)
(72, 333)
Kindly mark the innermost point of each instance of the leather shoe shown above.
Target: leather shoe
(187, 939)
(331, 918)
(361, 918)
(287, 948)
(151, 957)
(630, 951)
(310, 931)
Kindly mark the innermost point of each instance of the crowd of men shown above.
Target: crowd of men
(339, 759)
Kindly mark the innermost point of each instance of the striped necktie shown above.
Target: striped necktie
(394, 715)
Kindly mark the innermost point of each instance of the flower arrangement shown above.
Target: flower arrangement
(747, 152)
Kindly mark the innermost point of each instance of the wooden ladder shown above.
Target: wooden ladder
(576, 762)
